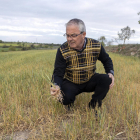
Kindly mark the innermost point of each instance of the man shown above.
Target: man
(75, 65)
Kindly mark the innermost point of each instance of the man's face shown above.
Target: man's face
(75, 42)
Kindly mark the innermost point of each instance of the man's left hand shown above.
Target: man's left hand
(112, 77)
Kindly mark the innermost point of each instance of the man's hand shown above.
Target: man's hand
(112, 77)
(54, 90)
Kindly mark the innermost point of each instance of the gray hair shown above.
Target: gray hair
(77, 22)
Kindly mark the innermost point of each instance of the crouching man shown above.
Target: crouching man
(75, 67)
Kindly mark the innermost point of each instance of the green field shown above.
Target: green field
(26, 104)
(22, 46)
(8, 44)
(4, 49)
(7, 49)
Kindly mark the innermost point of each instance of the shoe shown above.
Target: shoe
(92, 104)
(99, 103)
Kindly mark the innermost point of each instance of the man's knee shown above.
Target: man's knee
(105, 80)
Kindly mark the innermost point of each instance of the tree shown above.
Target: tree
(139, 20)
(23, 44)
(18, 43)
(0, 41)
(46, 46)
(102, 39)
(40, 45)
(51, 46)
(126, 33)
(32, 46)
(109, 43)
(12, 48)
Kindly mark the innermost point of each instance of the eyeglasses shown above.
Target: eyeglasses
(72, 36)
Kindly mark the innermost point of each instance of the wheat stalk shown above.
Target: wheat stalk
(58, 96)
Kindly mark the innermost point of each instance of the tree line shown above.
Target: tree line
(13, 46)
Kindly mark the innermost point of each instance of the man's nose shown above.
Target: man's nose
(69, 38)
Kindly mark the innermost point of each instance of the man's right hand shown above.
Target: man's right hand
(54, 90)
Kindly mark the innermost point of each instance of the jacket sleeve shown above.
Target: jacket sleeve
(106, 61)
(59, 68)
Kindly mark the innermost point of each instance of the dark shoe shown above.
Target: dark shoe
(92, 104)
(99, 103)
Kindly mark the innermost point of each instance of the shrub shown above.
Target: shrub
(4, 46)
(19, 46)
(12, 48)
(32, 46)
(25, 48)
(46, 46)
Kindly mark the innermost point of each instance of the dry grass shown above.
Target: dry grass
(25, 102)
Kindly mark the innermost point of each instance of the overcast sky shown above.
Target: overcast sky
(44, 21)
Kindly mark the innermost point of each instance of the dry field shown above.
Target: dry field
(26, 105)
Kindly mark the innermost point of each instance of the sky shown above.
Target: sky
(43, 21)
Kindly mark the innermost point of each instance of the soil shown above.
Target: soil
(125, 49)
(19, 135)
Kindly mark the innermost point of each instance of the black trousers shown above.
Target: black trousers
(99, 84)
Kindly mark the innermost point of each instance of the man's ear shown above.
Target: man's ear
(84, 34)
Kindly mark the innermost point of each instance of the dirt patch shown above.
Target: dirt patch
(126, 49)
(19, 135)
